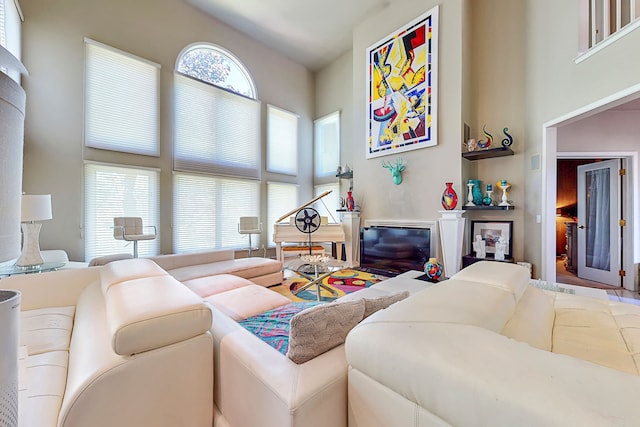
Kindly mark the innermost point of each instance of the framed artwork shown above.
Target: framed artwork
(491, 231)
(402, 71)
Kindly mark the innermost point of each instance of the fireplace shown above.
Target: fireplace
(389, 247)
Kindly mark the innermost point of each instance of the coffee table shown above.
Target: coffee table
(316, 268)
(14, 269)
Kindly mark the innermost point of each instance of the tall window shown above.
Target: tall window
(217, 155)
(282, 141)
(326, 154)
(122, 101)
(112, 191)
(281, 198)
(10, 33)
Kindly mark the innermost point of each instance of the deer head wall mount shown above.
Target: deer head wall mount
(396, 170)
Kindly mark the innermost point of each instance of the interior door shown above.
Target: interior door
(599, 217)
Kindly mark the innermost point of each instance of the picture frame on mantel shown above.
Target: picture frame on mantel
(402, 76)
(491, 231)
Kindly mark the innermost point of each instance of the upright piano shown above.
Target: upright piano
(287, 232)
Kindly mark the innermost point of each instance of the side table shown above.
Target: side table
(14, 269)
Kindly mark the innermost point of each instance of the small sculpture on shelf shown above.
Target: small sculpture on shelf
(470, 185)
(501, 248)
(479, 247)
(504, 186)
(506, 142)
(489, 140)
(472, 144)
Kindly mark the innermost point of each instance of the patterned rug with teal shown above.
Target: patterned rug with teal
(343, 282)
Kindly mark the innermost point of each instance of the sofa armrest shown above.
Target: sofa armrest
(173, 261)
(52, 289)
(498, 381)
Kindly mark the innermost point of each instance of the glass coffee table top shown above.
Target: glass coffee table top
(315, 268)
(14, 269)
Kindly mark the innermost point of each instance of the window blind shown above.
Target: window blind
(326, 147)
(281, 198)
(112, 191)
(328, 205)
(282, 141)
(122, 101)
(216, 131)
(206, 211)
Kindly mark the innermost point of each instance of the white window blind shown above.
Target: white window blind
(281, 198)
(206, 210)
(112, 191)
(328, 205)
(216, 131)
(122, 101)
(11, 33)
(326, 147)
(282, 141)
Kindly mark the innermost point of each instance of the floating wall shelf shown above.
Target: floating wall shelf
(488, 153)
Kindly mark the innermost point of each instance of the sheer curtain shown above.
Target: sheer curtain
(598, 211)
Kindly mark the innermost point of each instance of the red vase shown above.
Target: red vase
(449, 197)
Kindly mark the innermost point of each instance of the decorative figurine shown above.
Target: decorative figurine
(433, 269)
(508, 140)
(350, 202)
(501, 248)
(472, 144)
(487, 143)
(339, 170)
(470, 185)
(477, 192)
(449, 197)
(396, 171)
(504, 186)
(479, 247)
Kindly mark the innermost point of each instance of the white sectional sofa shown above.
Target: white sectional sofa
(125, 344)
(485, 348)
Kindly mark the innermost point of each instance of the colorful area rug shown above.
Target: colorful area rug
(343, 282)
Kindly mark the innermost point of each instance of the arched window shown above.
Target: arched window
(215, 65)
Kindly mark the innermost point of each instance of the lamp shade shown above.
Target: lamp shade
(36, 207)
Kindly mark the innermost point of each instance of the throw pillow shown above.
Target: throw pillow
(371, 305)
(318, 329)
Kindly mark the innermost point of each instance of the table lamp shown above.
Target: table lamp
(34, 208)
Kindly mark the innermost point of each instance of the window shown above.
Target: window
(328, 205)
(122, 101)
(112, 191)
(601, 19)
(217, 66)
(282, 141)
(281, 198)
(206, 210)
(217, 152)
(10, 32)
(216, 131)
(326, 145)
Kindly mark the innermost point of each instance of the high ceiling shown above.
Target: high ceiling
(310, 32)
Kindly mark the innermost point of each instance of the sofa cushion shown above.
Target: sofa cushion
(513, 278)
(319, 329)
(129, 269)
(211, 285)
(152, 312)
(247, 301)
(44, 381)
(533, 319)
(46, 329)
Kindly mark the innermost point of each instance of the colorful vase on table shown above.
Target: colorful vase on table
(433, 269)
(449, 197)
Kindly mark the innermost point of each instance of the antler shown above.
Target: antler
(386, 165)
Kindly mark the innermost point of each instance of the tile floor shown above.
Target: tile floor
(615, 293)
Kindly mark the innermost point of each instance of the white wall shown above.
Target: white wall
(158, 30)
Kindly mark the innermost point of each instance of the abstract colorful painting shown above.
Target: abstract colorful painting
(401, 88)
